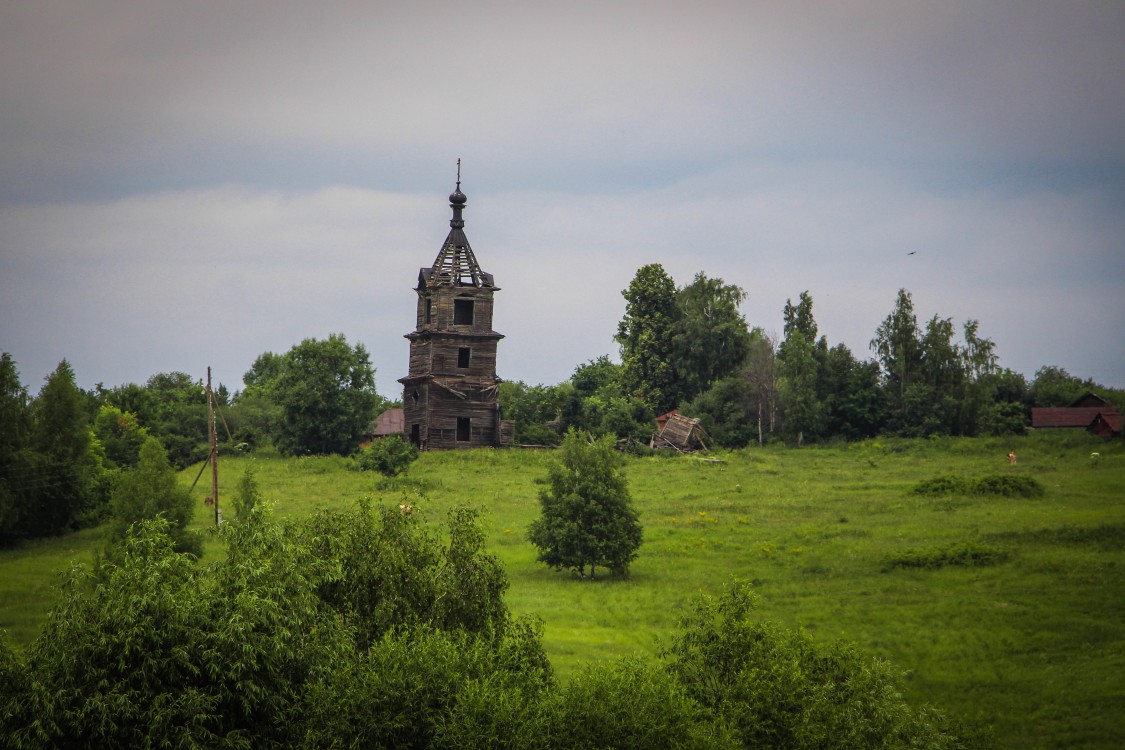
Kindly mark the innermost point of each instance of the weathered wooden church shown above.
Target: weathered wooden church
(451, 395)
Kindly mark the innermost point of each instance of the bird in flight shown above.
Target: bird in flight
(912, 252)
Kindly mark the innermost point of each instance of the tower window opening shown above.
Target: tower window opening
(463, 357)
(463, 427)
(462, 312)
(429, 310)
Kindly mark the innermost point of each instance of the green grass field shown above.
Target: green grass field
(1025, 634)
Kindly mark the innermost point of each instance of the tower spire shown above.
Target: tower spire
(456, 265)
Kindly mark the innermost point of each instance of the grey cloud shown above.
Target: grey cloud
(782, 146)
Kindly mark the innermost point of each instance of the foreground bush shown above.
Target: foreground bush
(777, 688)
(298, 638)
(390, 456)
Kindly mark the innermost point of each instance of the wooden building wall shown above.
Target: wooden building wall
(442, 390)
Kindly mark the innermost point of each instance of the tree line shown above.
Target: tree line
(690, 348)
(68, 456)
(63, 451)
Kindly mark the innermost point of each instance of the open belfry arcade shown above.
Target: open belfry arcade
(451, 394)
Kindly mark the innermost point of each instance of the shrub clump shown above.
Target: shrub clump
(390, 456)
(1007, 485)
(961, 554)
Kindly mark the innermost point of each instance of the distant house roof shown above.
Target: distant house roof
(1090, 399)
(390, 422)
(1088, 412)
(1104, 426)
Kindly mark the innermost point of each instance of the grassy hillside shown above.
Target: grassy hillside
(1008, 611)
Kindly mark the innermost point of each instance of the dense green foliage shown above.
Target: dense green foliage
(390, 455)
(326, 394)
(799, 370)
(272, 646)
(710, 338)
(593, 400)
(247, 495)
(778, 688)
(588, 519)
(645, 335)
(690, 348)
(152, 490)
(161, 651)
(395, 574)
(169, 406)
(52, 474)
(121, 436)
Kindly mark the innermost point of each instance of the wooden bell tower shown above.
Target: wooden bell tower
(451, 395)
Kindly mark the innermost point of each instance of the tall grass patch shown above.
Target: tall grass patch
(959, 554)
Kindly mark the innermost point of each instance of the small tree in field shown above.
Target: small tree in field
(587, 520)
(151, 490)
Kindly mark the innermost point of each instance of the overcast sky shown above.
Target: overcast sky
(195, 183)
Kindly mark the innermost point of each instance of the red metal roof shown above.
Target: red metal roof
(1075, 416)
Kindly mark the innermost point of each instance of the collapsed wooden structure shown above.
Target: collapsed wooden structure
(451, 392)
(681, 433)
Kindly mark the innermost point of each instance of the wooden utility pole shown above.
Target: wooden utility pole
(213, 441)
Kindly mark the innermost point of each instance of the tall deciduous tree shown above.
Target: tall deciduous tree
(978, 363)
(762, 372)
(645, 335)
(326, 392)
(710, 337)
(938, 393)
(597, 376)
(799, 318)
(979, 354)
(861, 407)
(898, 349)
(587, 517)
(1054, 386)
(800, 371)
(798, 385)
